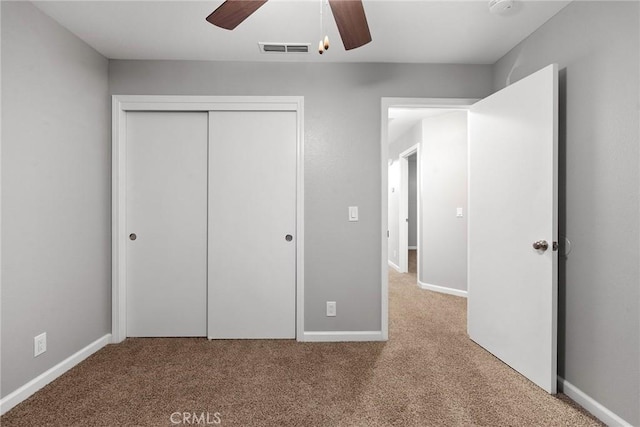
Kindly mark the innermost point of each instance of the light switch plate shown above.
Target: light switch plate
(331, 308)
(353, 213)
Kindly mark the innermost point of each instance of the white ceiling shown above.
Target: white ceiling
(427, 31)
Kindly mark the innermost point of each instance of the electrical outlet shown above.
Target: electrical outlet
(39, 344)
(331, 308)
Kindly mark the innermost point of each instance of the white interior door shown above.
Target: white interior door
(167, 213)
(513, 146)
(252, 210)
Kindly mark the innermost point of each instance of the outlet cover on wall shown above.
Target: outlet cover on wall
(331, 308)
(39, 344)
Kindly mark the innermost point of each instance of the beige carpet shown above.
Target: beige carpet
(428, 374)
(413, 261)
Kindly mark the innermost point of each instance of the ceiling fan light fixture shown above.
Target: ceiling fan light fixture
(320, 47)
(326, 42)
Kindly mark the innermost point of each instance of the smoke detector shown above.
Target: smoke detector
(500, 7)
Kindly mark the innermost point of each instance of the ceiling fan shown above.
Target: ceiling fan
(349, 15)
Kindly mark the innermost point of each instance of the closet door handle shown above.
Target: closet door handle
(288, 237)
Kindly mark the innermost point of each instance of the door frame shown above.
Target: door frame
(403, 225)
(385, 104)
(121, 104)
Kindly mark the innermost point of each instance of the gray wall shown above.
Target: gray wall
(413, 201)
(596, 45)
(408, 139)
(443, 170)
(342, 156)
(56, 265)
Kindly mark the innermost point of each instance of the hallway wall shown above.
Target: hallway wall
(443, 170)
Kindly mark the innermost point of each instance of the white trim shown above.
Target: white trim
(22, 393)
(2, 404)
(442, 289)
(451, 103)
(590, 404)
(409, 151)
(343, 336)
(468, 216)
(300, 221)
(385, 104)
(403, 215)
(384, 218)
(395, 267)
(208, 103)
(123, 103)
(118, 221)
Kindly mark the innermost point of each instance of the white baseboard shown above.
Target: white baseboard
(395, 267)
(590, 404)
(442, 289)
(413, 248)
(22, 393)
(343, 336)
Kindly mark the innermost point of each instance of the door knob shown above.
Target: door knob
(288, 237)
(541, 245)
(133, 236)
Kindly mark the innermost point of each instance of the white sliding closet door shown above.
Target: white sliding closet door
(252, 224)
(166, 218)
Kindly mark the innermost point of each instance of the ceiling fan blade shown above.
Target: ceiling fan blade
(352, 22)
(232, 12)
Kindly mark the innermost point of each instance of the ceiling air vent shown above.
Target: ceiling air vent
(284, 47)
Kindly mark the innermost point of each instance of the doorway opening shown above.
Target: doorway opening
(391, 122)
(427, 192)
(412, 214)
(404, 210)
(510, 150)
